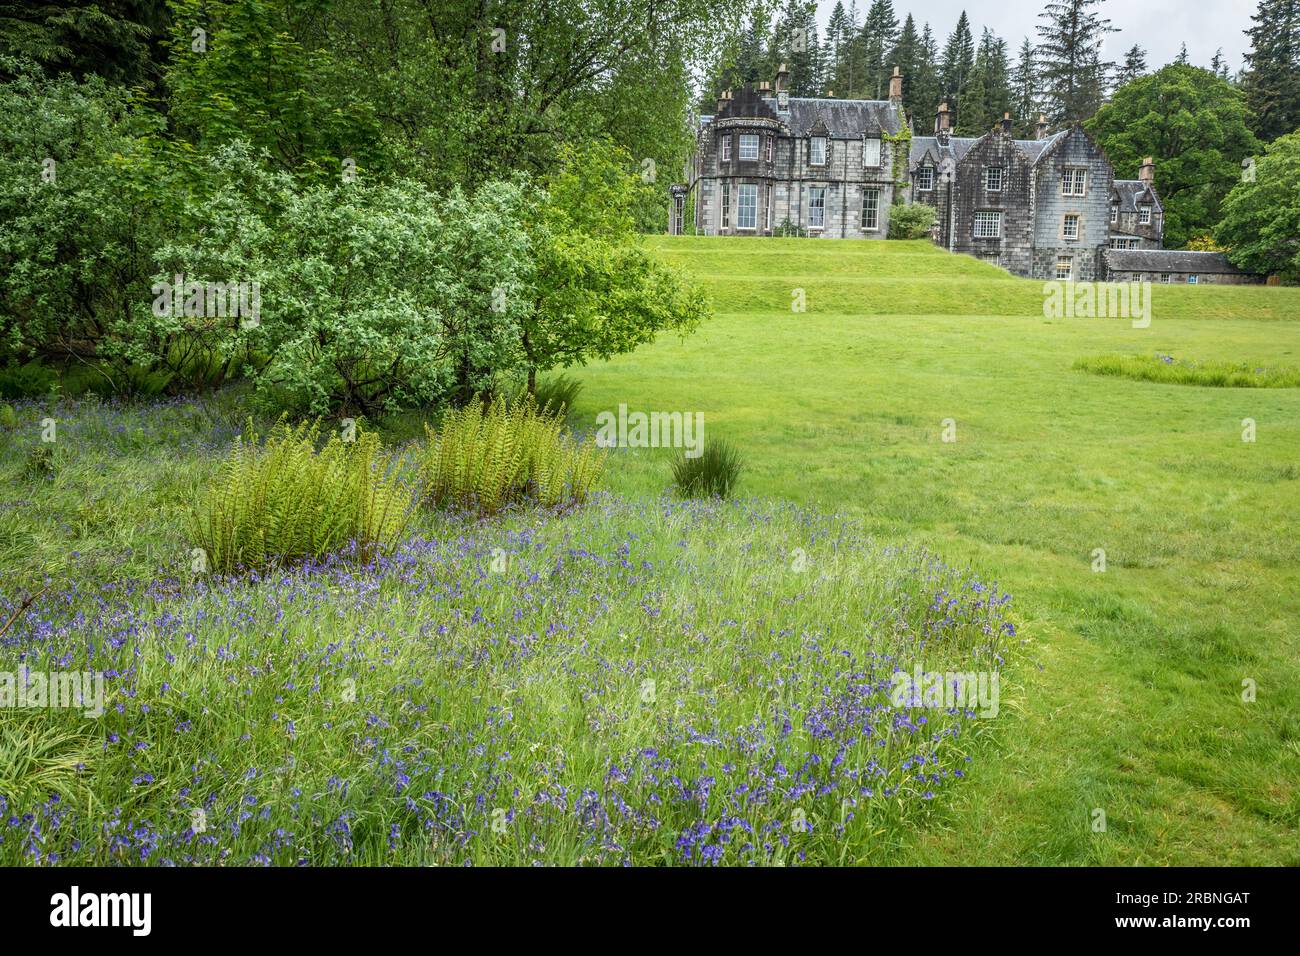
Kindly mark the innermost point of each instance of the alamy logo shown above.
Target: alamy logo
(1067, 299)
(976, 690)
(103, 909)
(651, 430)
(55, 690)
(209, 300)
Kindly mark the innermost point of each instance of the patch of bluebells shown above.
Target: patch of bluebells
(339, 713)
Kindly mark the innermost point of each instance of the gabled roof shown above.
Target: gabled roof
(959, 146)
(1130, 192)
(1170, 260)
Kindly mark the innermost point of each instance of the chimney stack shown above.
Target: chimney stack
(1006, 123)
(896, 89)
(942, 123)
(1147, 171)
(724, 98)
(782, 79)
(764, 88)
(1041, 132)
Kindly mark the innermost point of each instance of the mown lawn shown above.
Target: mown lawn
(1132, 698)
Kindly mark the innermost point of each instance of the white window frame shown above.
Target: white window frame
(767, 206)
(1164, 277)
(1074, 181)
(768, 146)
(726, 205)
(749, 190)
(1144, 215)
(871, 149)
(871, 209)
(1114, 213)
(748, 139)
(724, 147)
(813, 143)
(985, 216)
(816, 193)
(1192, 279)
(989, 179)
(1070, 219)
(928, 180)
(1069, 267)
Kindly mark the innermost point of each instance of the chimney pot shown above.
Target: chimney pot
(1041, 132)
(896, 88)
(1147, 171)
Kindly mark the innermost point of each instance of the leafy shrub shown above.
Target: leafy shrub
(8, 416)
(485, 457)
(789, 230)
(29, 380)
(714, 473)
(39, 462)
(287, 501)
(1171, 371)
(910, 222)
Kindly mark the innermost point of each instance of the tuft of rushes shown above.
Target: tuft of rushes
(1170, 371)
(484, 457)
(287, 501)
(715, 473)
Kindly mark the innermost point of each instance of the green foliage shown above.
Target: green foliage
(40, 461)
(1214, 374)
(287, 501)
(557, 393)
(714, 473)
(911, 222)
(789, 230)
(594, 290)
(28, 380)
(1261, 216)
(484, 457)
(1195, 125)
(86, 198)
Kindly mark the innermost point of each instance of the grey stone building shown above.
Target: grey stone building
(767, 163)
(1175, 265)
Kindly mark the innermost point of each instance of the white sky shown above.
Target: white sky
(1159, 26)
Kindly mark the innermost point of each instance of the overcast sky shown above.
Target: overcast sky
(1159, 26)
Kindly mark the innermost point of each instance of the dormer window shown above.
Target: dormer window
(748, 147)
(1114, 213)
(783, 101)
(993, 179)
(1144, 215)
(871, 151)
(925, 178)
(724, 146)
(817, 151)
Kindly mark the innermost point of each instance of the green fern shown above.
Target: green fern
(287, 501)
(486, 457)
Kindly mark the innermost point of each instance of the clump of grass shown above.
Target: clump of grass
(8, 416)
(714, 473)
(484, 457)
(1171, 371)
(557, 394)
(39, 462)
(287, 501)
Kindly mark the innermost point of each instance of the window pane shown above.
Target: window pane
(818, 155)
(817, 207)
(871, 152)
(747, 208)
(749, 146)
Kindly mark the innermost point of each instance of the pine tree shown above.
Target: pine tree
(1272, 78)
(1181, 59)
(906, 55)
(926, 90)
(800, 51)
(836, 39)
(1069, 56)
(880, 36)
(1135, 65)
(958, 61)
(988, 94)
(1024, 92)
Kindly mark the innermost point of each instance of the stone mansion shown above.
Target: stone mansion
(767, 163)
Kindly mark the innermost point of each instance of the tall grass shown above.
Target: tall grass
(287, 500)
(484, 457)
(1171, 371)
(716, 471)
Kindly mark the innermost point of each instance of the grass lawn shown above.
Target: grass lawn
(1131, 700)
(647, 680)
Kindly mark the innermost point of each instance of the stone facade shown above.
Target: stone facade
(1175, 266)
(767, 164)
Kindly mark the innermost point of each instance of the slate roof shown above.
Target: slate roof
(959, 146)
(841, 117)
(1131, 191)
(1170, 260)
